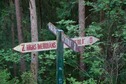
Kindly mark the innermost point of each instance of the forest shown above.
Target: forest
(27, 21)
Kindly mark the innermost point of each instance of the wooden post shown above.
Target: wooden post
(59, 59)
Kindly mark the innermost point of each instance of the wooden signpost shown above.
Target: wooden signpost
(62, 42)
(61, 38)
(70, 43)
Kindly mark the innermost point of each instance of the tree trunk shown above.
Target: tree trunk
(12, 31)
(13, 41)
(12, 25)
(13, 44)
(40, 19)
(34, 36)
(40, 12)
(19, 29)
(102, 16)
(81, 11)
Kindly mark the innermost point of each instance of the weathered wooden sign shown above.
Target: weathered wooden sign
(69, 42)
(52, 28)
(52, 45)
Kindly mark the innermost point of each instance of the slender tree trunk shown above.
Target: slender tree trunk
(13, 41)
(12, 25)
(81, 34)
(12, 31)
(19, 29)
(102, 16)
(40, 18)
(34, 36)
(13, 44)
(40, 3)
(40, 12)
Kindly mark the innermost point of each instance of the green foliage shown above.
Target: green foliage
(90, 81)
(70, 27)
(112, 38)
(10, 56)
(5, 78)
(5, 26)
(94, 30)
(27, 78)
(65, 10)
(25, 28)
(74, 81)
(47, 68)
(123, 35)
(105, 61)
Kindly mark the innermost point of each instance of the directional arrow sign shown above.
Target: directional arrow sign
(68, 41)
(52, 28)
(36, 46)
(51, 45)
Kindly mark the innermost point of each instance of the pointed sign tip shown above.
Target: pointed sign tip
(96, 38)
(17, 48)
(49, 23)
(14, 48)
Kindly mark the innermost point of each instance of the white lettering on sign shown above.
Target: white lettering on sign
(52, 28)
(51, 45)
